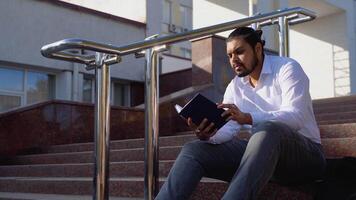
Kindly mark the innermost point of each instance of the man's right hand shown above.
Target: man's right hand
(204, 130)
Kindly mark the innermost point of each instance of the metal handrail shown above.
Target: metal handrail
(109, 54)
(51, 50)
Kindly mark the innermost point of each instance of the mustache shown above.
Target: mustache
(238, 64)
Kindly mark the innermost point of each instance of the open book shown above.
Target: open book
(200, 107)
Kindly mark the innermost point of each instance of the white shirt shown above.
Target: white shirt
(281, 94)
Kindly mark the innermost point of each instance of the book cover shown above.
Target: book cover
(200, 107)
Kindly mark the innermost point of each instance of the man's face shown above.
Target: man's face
(242, 56)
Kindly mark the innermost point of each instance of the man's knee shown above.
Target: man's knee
(194, 149)
(269, 130)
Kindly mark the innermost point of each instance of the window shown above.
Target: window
(121, 94)
(167, 12)
(11, 80)
(167, 16)
(40, 87)
(88, 90)
(20, 87)
(186, 53)
(186, 17)
(9, 101)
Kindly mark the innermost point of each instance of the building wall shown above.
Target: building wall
(161, 14)
(211, 12)
(315, 45)
(28, 25)
(172, 63)
(322, 46)
(349, 6)
(133, 9)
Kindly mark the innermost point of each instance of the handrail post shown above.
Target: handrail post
(102, 128)
(283, 33)
(151, 186)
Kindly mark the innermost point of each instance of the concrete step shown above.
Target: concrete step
(123, 144)
(117, 169)
(335, 101)
(335, 109)
(336, 116)
(119, 187)
(336, 121)
(339, 147)
(165, 153)
(176, 140)
(338, 130)
(333, 147)
(38, 196)
(131, 188)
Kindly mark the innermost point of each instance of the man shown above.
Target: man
(270, 93)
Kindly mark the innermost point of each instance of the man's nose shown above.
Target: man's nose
(234, 57)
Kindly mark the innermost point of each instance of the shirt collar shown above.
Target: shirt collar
(266, 68)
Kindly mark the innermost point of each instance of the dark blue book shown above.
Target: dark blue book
(200, 107)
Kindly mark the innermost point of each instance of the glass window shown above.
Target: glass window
(121, 94)
(167, 11)
(186, 16)
(87, 90)
(11, 79)
(186, 53)
(20, 87)
(7, 102)
(39, 87)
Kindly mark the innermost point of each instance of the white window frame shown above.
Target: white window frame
(185, 17)
(23, 94)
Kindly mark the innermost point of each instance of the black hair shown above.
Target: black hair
(251, 36)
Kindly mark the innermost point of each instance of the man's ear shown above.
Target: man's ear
(258, 49)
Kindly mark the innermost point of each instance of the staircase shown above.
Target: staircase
(65, 171)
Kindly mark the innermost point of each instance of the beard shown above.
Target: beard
(246, 71)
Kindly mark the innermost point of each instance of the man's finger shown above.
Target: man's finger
(203, 124)
(208, 128)
(189, 121)
(229, 118)
(226, 113)
(201, 135)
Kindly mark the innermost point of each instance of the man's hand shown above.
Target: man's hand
(234, 113)
(204, 131)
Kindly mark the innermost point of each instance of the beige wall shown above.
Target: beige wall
(132, 9)
(319, 47)
(211, 12)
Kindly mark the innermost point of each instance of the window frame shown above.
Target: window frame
(23, 94)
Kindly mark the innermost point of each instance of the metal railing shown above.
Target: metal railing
(108, 54)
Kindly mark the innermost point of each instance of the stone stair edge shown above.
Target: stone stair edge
(123, 188)
(188, 133)
(86, 152)
(90, 179)
(77, 164)
(323, 126)
(39, 196)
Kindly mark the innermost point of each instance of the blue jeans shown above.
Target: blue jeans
(274, 151)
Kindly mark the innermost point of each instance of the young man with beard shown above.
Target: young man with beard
(270, 93)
